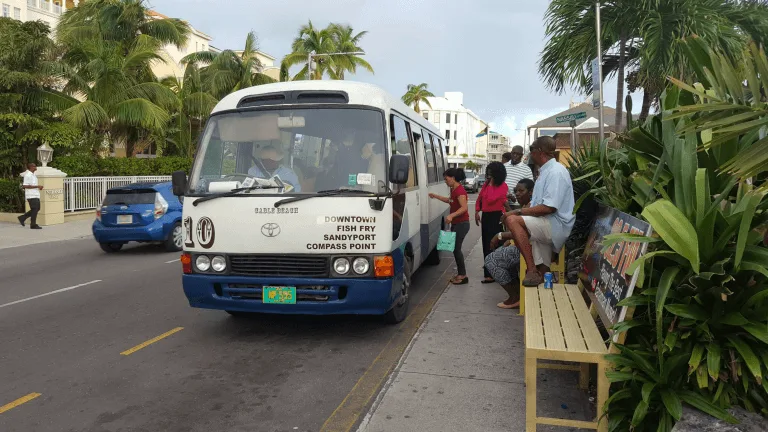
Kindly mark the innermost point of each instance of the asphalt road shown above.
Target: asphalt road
(61, 367)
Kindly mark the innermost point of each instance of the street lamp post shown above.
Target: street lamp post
(312, 54)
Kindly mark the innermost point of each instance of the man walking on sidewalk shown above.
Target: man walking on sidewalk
(32, 194)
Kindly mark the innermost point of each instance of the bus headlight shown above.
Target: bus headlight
(202, 263)
(361, 265)
(219, 263)
(341, 266)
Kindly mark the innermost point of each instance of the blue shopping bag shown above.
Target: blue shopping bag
(446, 241)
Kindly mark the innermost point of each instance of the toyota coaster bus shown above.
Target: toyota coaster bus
(311, 197)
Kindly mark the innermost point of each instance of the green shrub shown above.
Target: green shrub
(11, 196)
(89, 166)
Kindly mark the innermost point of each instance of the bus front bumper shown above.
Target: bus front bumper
(314, 296)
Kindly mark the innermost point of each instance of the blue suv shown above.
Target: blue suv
(139, 212)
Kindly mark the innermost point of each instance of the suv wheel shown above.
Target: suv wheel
(111, 247)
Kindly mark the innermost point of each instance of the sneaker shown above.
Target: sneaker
(532, 279)
(21, 220)
(35, 227)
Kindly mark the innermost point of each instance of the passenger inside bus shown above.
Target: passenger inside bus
(270, 164)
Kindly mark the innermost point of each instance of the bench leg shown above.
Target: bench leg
(584, 376)
(602, 395)
(530, 394)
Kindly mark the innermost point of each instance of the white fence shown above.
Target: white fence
(87, 193)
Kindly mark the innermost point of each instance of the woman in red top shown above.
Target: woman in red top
(458, 219)
(491, 203)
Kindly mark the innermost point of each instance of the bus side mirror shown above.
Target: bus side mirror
(179, 182)
(399, 166)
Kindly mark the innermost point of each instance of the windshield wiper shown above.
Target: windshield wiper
(330, 192)
(233, 192)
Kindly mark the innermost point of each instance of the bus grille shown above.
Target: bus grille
(279, 265)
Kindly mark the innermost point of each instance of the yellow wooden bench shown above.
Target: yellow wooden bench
(560, 327)
(557, 268)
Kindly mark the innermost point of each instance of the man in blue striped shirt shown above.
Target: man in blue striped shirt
(516, 170)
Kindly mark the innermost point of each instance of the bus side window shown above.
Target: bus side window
(438, 146)
(429, 156)
(401, 144)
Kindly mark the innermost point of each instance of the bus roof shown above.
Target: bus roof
(358, 93)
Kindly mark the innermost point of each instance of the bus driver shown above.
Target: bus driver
(270, 165)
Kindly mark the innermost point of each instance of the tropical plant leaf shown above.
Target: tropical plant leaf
(688, 311)
(646, 392)
(753, 364)
(698, 401)
(713, 360)
(640, 412)
(672, 403)
(752, 201)
(696, 356)
(675, 229)
(734, 319)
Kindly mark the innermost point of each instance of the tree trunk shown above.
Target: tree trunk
(620, 85)
(646, 109)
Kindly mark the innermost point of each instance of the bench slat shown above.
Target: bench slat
(574, 338)
(595, 342)
(534, 330)
(553, 333)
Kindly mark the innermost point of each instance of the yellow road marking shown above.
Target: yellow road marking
(19, 401)
(151, 341)
(345, 416)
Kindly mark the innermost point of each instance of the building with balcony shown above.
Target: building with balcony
(498, 144)
(197, 41)
(47, 11)
(461, 128)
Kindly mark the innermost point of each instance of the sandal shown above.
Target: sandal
(462, 281)
(487, 281)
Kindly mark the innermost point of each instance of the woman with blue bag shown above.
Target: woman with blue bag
(458, 219)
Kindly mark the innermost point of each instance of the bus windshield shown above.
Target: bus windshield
(301, 150)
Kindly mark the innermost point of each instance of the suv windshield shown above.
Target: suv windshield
(300, 150)
(470, 175)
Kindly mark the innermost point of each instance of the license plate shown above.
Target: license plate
(124, 219)
(279, 295)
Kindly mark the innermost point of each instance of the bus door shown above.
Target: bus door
(402, 143)
(422, 143)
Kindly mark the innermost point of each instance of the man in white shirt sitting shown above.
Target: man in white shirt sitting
(516, 170)
(32, 194)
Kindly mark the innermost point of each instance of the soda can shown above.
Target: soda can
(548, 280)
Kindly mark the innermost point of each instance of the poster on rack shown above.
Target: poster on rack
(604, 274)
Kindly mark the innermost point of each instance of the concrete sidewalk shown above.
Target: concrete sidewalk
(464, 370)
(14, 235)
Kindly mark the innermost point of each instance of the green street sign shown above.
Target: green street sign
(569, 117)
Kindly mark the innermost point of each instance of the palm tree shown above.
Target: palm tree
(115, 100)
(644, 35)
(29, 96)
(417, 94)
(188, 118)
(228, 71)
(126, 22)
(310, 40)
(110, 47)
(345, 41)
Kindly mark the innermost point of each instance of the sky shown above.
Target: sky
(487, 49)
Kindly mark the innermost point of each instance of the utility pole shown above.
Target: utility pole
(599, 69)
